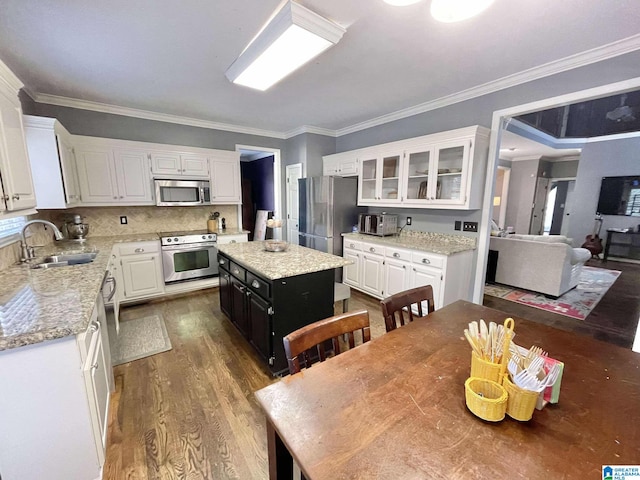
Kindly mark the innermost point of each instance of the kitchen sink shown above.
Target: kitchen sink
(63, 260)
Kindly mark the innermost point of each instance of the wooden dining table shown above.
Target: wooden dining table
(394, 408)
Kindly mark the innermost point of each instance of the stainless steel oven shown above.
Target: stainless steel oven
(188, 256)
(182, 193)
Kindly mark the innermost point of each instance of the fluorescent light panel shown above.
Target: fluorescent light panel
(294, 36)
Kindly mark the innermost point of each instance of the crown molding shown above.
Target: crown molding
(9, 78)
(310, 129)
(604, 52)
(148, 115)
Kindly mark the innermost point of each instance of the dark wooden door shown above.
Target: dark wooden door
(260, 324)
(225, 293)
(239, 306)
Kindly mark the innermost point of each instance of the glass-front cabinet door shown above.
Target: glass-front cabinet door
(418, 163)
(380, 178)
(390, 188)
(450, 166)
(369, 179)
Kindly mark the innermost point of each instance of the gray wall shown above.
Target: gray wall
(601, 159)
(566, 169)
(522, 187)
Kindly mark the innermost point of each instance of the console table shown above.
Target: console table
(622, 244)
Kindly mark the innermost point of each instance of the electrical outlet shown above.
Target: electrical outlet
(123, 220)
(408, 220)
(470, 226)
(457, 225)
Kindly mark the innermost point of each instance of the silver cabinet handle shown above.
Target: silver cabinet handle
(236, 271)
(94, 366)
(221, 262)
(6, 198)
(241, 288)
(352, 245)
(16, 196)
(115, 198)
(396, 254)
(426, 260)
(233, 241)
(121, 196)
(139, 250)
(255, 284)
(371, 249)
(404, 267)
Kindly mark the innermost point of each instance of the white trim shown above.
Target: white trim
(497, 122)
(277, 182)
(149, 115)
(9, 78)
(588, 57)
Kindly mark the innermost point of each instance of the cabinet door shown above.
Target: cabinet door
(133, 176)
(397, 276)
(239, 306)
(421, 276)
(348, 167)
(417, 172)
(97, 176)
(329, 166)
(368, 180)
(260, 324)
(451, 162)
(352, 272)
(141, 275)
(96, 377)
(372, 274)
(15, 167)
(225, 293)
(69, 171)
(195, 165)
(225, 180)
(390, 171)
(166, 164)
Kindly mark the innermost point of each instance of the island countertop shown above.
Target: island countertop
(442, 243)
(296, 260)
(37, 305)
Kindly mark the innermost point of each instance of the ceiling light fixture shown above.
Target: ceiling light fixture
(457, 10)
(401, 3)
(290, 39)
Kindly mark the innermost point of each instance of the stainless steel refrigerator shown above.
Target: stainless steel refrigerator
(328, 208)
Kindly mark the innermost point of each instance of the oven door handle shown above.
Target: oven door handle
(189, 248)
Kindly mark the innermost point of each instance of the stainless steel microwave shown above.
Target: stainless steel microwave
(182, 193)
(380, 224)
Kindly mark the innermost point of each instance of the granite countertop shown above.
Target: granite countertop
(441, 243)
(296, 260)
(44, 304)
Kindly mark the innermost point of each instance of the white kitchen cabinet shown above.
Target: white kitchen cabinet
(53, 164)
(225, 178)
(141, 269)
(15, 169)
(175, 165)
(53, 411)
(381, 269)
(341, 164)
(111, 176)
(444, 171)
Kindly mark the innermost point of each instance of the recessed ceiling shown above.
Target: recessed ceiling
(170, 57)
(516, 147)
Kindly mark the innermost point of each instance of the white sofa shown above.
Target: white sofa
(546, 264)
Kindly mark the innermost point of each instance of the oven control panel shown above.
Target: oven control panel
(186, 239)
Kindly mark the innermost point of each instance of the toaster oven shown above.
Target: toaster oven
(380, 224)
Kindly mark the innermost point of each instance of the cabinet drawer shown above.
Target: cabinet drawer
(258, 285)
(397, 253)
(223, 262)
(372, 248)
(138, 248)
(237, 271)
(352, 244)
(426, 258)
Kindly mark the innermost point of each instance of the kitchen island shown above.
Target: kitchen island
(268, 295)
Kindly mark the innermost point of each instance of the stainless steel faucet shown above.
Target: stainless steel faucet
(27, 252)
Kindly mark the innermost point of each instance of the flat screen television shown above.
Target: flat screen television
(620, 196)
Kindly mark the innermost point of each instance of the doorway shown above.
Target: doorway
(293, 173)
(501, 196)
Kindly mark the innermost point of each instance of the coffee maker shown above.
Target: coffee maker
(76, 229)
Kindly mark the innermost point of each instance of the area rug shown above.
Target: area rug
(576, 303)
(139, 338)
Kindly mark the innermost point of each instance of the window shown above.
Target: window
(10, 228)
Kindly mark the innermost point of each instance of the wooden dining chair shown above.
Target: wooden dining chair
(398, 308)
(299, 345)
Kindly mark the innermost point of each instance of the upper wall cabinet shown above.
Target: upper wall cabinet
(439, 171)
(53, 163)
(17, 185)
(341, 164)
(168, 164)
(225, 178)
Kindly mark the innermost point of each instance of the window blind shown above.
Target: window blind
(11, 226)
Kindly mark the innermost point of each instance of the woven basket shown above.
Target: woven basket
(485, 399)
(521, 403)
(483, 369)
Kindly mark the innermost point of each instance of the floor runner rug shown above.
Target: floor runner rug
(139, 338)
(576, 303)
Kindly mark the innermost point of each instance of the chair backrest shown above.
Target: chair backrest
(397, 308)
(297, 345)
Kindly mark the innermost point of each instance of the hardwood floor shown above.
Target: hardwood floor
(613, 320)
(190, 413)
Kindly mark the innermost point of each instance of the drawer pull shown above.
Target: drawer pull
(221, 262)
(426, 261)
(233, 241)
(352, 245)
(236, 271)
(371, 249)
(139, 250)
(396, 255)
(94, 366)
(255, 284)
